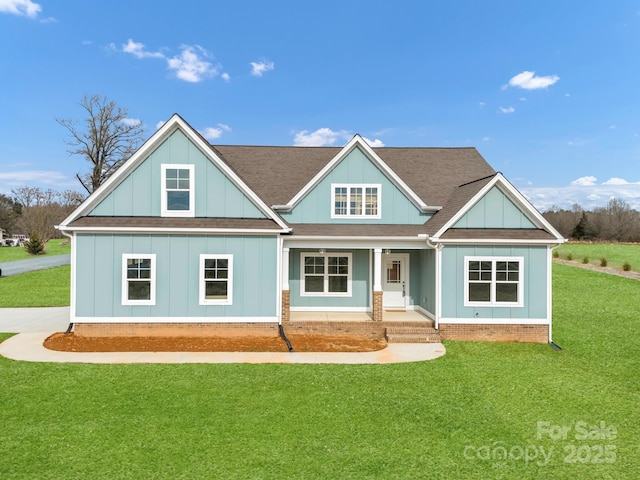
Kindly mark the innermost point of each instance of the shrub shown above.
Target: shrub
(603, 262)
(585, 260)
(569, 256)
(35, 245)
(626, 266)
(556, 254)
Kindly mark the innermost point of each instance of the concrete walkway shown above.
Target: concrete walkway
(17, 267)
(34, 325)
(28, 347)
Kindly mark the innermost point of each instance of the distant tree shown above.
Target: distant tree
(10, 212)
(41, 211)
(108, 139)
(583, 229)
(617, 221)
(563, 220)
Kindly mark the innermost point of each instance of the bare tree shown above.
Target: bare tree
(41, 211)
(108, 139)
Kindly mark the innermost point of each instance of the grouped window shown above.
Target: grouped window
(355, 200)
(325, 274)
(177, 190)
(493, 281)
(138, 279)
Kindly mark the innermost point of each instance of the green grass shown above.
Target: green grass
(42, 288)
(56, 246)
(414, 420)
(615, 253)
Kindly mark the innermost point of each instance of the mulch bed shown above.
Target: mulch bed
(301, 343)
(609, 270)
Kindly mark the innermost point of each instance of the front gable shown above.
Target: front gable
(356, 169)
(494, 210)
(141, 192)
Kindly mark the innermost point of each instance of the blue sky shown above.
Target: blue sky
(547, 91)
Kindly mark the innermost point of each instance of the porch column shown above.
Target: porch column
(377, 285)
(286, 293)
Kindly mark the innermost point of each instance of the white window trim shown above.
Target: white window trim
(326, 292)
(125, 280)
(493, 302)
(201, 281)
(349, 186)
(163, 188)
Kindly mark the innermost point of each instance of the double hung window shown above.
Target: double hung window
(216, 279)
(138, 279)
(493, 281)
(177, 190)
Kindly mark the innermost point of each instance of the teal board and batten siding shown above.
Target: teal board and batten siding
(494, 210)
(99, 275)
(535, 282)
(360, 288)
(356, 168)
(425, 271)
(139, 194)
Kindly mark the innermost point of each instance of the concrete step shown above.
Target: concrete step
(412, 335)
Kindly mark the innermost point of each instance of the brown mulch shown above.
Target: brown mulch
(301, 343)
(609, 270)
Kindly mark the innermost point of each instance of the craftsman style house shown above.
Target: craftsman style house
(187, 238)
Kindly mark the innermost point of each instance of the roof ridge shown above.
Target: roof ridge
(478, 180)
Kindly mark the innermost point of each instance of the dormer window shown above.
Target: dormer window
(177, 190)
(355, 200)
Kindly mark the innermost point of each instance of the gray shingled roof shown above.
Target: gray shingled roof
(277, 174)
(173, 222)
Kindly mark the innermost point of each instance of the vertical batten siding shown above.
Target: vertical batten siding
(535, 282)
(354, 169)
(139, 194)
(494, 210)
(99, 275)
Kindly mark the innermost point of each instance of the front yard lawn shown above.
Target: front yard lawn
(448, 418)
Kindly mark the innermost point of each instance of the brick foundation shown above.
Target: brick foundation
(494, 333)
(377, 306)
(175, 329)
(286, 305)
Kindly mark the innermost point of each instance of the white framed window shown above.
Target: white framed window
(216, 279)
(138, 279)
(177, 190)
(355, 200)
(325, 274)
(493, 281)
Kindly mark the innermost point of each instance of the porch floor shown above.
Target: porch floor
(388, 315)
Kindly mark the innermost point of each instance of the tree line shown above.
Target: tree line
(615, 222)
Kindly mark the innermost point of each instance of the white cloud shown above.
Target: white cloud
(137, 50)
(507, 109)
(35, 178)
(377, 143)
(224, 127)
(590, 180)
(131, 122)
(586, 192)
(160, 124)
(211, 133)
(260, 68)
(322, 137)
(486, 139)
(225, 76)
(616, 181)
(529, 81)
(481, 104)
(25, 8)
(612, 127)
(190, 66)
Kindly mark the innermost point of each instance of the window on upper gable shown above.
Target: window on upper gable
(177, 191)
(355, 200)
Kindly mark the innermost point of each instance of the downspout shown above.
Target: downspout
(73, 274)
(550, 302)
(438, 249)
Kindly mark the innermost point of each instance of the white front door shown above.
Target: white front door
(395, 284)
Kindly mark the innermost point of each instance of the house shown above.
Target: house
(187, 238)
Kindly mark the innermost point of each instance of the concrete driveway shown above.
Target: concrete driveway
(36, 319)
(31, 264)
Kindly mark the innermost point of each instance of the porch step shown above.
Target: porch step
(412, 335)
